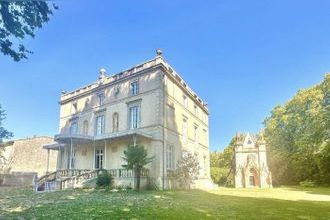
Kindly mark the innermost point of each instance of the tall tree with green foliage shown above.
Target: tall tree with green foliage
(19, 19)
(298, 137)
(136, 158)
(4, 134)
(223, 165)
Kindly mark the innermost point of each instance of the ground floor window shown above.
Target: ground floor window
(98, 158)
(170, 156)
(251, 181)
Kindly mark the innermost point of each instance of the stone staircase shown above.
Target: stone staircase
(63, 179)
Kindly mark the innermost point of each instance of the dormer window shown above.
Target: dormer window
(185, 101)
(100, 99)
(134, 88)
(74, 107)
(196, 110)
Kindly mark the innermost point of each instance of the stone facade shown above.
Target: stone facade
(27, 155)
(149, 105)
(251, 162)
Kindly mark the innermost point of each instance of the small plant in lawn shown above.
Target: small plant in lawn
(307, 183)
(104, 180)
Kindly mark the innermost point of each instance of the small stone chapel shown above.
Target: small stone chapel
(251, 169)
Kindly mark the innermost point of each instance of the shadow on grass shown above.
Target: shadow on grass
(311, 190)
(194, 204)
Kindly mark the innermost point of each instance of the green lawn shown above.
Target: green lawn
(222, 203)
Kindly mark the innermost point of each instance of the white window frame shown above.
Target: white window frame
(100, 98)
(196, 133)
(170, 156)
(134, 87)
(99, 158)
(99, 125)
(185, 128)
(85, 127)
(74, 127)
(134, 117)
(185, 101)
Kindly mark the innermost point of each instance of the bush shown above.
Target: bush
(307, 183)
(104, 179)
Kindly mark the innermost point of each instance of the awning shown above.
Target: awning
(66, 138)
(123, 134)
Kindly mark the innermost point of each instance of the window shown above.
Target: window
(185, 101)
(115, 122)
(74, 127)
(86, 103)
(99, 159)
(169, 156)
(170, 122)
(205, 135)
(74, 107)
(100, 98)
(134, 87)
(185, 129)
(99, 126)
(196, 134)
(205, 165)
(134, 117)
(196, 110)
(85, 127)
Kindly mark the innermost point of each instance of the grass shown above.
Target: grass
(222, 203)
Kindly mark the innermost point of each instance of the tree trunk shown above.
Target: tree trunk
(138, 175)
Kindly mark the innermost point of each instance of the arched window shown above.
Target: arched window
(115, 122)
(74, 127)
(85, 127)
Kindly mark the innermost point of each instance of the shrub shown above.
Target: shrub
(307, 183)
(187, 170)
(104, 179)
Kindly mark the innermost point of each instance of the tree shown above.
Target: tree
(19, 19)
(187, 170)
(298, 137)
(136, 158)
(4, 134)
(223, 165)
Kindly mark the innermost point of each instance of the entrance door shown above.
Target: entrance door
(99, 158)
(251, 181)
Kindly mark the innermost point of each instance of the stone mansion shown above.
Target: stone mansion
(148, 104)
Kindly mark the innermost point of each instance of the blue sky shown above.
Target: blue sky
(242, 57)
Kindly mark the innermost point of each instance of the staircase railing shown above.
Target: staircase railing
(40, 182)
(72, 178)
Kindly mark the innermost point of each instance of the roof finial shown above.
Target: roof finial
(102, 73)
(159, 52)
(102, 76)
